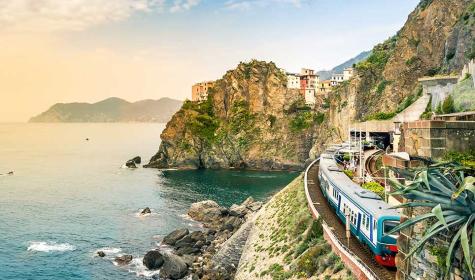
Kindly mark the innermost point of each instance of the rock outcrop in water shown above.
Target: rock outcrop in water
(251, 120)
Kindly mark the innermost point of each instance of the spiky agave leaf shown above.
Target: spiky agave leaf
(451, 195)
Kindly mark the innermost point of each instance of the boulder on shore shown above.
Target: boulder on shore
(146, 210)
(205, 211)
(153, 259)
(174, 236)
(124, 259)
(174, 267)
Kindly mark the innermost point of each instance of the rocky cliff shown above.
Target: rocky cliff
(111, 110)
(437, 39)
(250, 120)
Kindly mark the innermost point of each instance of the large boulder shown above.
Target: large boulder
(153, 259)
(174, 267)
(123, 260)
(175, 235)
(205, 211)
(137, 160)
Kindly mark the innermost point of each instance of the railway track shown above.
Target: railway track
(370, 167)
(338, 228)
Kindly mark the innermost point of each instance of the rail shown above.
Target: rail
(363, 271)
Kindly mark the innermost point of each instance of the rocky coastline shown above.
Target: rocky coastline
(211, 253)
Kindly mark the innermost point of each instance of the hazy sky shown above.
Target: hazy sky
(87, 50)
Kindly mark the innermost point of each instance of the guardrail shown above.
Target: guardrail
(363, 272)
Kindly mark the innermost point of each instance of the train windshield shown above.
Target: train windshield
(388, 226)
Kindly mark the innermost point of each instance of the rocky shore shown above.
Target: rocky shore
(212, 253)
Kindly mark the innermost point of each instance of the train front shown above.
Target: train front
(387, 248)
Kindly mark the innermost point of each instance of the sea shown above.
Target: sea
(70, 196)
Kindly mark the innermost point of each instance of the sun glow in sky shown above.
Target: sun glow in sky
(87, 50)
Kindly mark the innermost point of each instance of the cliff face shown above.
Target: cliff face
(250, 120)
(437, 38)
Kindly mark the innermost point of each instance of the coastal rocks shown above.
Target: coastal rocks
(132, 163)
(174, 236)
(101, 254)
(146, 211)
(174, 267)
(205, 211)
(153, 259)
(123, 260)
(200, 250)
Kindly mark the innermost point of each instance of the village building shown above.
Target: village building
(348, 73)
(293, 80)
(336, 79)
(308, 85)
(324, 87)
(199, 91)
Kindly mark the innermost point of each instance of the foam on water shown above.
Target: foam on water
(108, 251)
(136, 266)
(43, 246)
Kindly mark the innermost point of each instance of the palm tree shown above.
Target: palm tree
(450, 192)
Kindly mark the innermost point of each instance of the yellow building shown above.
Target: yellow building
(199, 91)
(324, 87)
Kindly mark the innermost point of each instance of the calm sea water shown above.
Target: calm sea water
(70, 197)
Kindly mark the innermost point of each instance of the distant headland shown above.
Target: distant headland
(111, 110)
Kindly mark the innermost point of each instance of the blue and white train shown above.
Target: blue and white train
(370, 217)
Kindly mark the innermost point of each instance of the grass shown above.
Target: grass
(294, 237)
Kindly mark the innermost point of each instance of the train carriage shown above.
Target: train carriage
(369, 216)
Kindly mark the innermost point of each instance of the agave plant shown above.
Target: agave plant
(450, 192)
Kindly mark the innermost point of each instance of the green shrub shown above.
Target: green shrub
(346, 157)
(465, 158)
(448, 106)
(374, 187)
(349, 173)
(381, 116)
(381, 86)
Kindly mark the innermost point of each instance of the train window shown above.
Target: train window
(367, 223)
(388, 226)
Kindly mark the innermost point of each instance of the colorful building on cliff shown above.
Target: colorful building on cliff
(293, 80)
(348, 73)
(324, 87)
(308, 85)
(199, 91)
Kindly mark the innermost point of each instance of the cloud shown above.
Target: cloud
(52, 15)
(249, 4)
(183, 5)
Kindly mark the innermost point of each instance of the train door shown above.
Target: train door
(358, 224)
(339, 202)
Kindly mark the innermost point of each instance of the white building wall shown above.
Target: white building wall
(310, 96)
(347, 74)
(293, 81)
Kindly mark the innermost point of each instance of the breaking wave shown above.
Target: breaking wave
(42, 246)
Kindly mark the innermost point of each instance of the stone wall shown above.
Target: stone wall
(438, 88)
(433, 139)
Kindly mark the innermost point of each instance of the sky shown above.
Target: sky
(87, 50)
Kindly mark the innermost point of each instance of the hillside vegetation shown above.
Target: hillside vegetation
(286, 243)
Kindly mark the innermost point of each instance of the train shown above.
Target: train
(370, 218)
